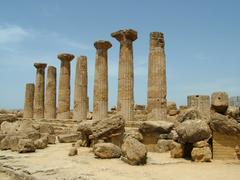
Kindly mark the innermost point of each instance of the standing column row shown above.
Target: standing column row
(125, 102)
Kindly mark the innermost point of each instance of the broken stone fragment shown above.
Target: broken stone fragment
(73, 151)
(177, 151)
(201, 154)
(193, 131)
(107, 150)
(25, 146)
(156, 126)
(68, 138)
(219, 102)
(134, 152)
(164, 145)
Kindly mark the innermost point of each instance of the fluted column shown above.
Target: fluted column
(157, 86)
(50, 101)
(80, 90)
(38, 105)
(63, 111)
(100, 94)
(125, 101)
(28, 103)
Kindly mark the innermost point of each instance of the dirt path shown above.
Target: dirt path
(54, 163)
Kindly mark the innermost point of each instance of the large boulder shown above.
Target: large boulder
(202, 154)
(24, 128)
(10, 142)
(177, 150)
(134, 134)
(164, 145)
(41, 143)
(107, 150)
(134, 152)
(219, 102)
(189, 114)
(193, 131)
(160, 127)
(26, 145)
(224, 124)
(109, 130)
(68, 138)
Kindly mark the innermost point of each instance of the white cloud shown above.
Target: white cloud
(12, 34)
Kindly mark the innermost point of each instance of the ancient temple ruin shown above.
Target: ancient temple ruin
(206, 128)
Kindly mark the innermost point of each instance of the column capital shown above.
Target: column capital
(125, 34)
(157, 39)
(101, 44)
(40, 65)
(65, 57)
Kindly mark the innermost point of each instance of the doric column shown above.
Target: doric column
(28, 103)
(125, 101)
(100, 94)
(80, 91)
(38, 106)
(63, 111)
(50, 101)
(157, 86)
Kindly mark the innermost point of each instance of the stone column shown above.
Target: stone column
(28, 103)
(63, 111)
(100, 94)
(201, 103)
(157, 86)
(125, 101)
(38, 105)
(80, 91)
(50, 101)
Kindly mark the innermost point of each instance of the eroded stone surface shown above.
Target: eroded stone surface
(28, 102)
(107, 150)
(157, 83)
(50, 103)
(125, 102)
(219, 102)
(134, 152)
(100, 95)
(64, 86)
(80, 92)
(39, 92)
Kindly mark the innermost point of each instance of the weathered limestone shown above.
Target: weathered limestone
(28, 104)
(100, 98)
(201, 103)
(80, 91)
(38, 105)
(125, 102)
(219, 102)
(64, 86)
(50, 102)
(157, 86)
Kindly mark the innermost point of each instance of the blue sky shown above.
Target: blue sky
(202, 43)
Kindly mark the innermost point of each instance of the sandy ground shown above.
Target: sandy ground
(54, 163)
